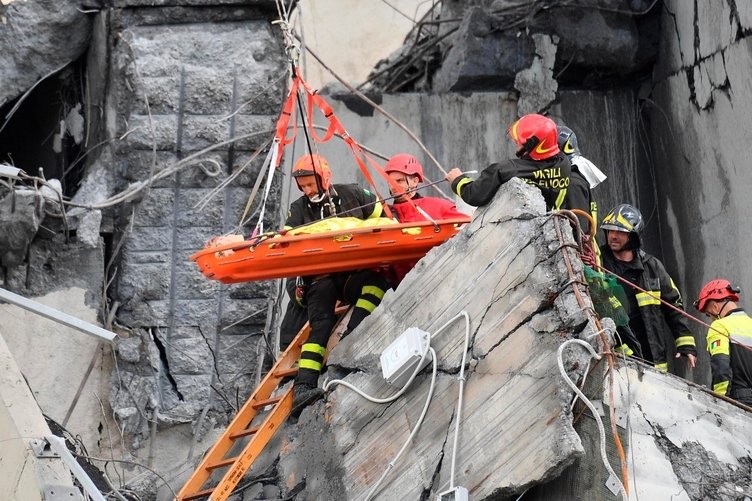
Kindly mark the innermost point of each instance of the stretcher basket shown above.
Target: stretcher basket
(264, 258)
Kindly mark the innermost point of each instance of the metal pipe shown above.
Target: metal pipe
(56, 315)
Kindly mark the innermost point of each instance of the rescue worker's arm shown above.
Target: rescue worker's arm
(483, 189)
(371, 207)
(720, 358)
(630, 346)
(678, 323)
(294, 216)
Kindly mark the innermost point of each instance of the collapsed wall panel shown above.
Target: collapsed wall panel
(506, 270)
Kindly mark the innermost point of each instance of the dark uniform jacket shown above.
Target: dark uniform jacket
(648, 317)
(580, 196)
(729, 344)
(350, 200)
(551, 176)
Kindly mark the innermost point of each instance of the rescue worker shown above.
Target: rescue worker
(729, 340)
(364, 289)
(623, 256)
(539, 163)
(406, 172)
(583, 178)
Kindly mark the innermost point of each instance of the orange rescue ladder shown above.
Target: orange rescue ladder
(245, 426)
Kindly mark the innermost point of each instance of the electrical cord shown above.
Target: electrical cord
(461, 379)
(412, 433)
(589, 404)
(386, 400)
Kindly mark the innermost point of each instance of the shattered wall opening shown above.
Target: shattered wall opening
(43, 130)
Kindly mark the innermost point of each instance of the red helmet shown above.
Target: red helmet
(406, 164)
(315, 164)
(536, 136)
(717, 289)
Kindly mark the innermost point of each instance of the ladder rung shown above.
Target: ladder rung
(286, 372)
(198, 495)
(220, 464)
(264, 403)
(244, 433)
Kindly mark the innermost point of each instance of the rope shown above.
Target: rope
(378, 108)
(572, 218)
(593, 410)
(673, 307)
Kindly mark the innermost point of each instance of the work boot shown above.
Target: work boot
(304, 395)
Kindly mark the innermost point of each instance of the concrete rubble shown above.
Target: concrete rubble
(190, 350)
(518, 433)
(482, 46)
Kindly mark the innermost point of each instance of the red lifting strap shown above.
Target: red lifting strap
(335, 127)
(283, 122)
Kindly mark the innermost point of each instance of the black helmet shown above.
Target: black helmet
(624, 218)
(567, 141)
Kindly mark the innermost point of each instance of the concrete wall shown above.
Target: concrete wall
(470, 132)
(700, 125)
(179, 82)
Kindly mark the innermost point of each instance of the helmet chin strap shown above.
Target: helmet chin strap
(723, 306)
(318, 197)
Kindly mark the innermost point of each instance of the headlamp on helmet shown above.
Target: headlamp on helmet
(716, 290)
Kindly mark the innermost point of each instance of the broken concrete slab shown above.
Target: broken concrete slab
(680, 441)
(505, 269)
(536, 84)
(21, 211)
(482, 57)
(23, 475)
(39, 38)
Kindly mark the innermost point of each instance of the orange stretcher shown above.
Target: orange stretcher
(265, 258)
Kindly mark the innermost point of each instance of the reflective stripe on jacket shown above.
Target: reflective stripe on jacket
(730, 361)
(654, 278)
(551, 176)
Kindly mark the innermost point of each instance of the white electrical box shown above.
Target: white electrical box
(399, 359)
(456, 494)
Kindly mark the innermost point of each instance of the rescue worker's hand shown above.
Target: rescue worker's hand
(588, 252)
(453, 174)
(300, 292)
(691, 359)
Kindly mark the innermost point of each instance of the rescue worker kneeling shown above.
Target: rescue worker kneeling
(363, 289)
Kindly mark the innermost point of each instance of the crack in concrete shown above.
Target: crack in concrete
(542, 306)
(215, 364)
(425, 495)
(672, 15)
(710, 477)
(165, 366)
